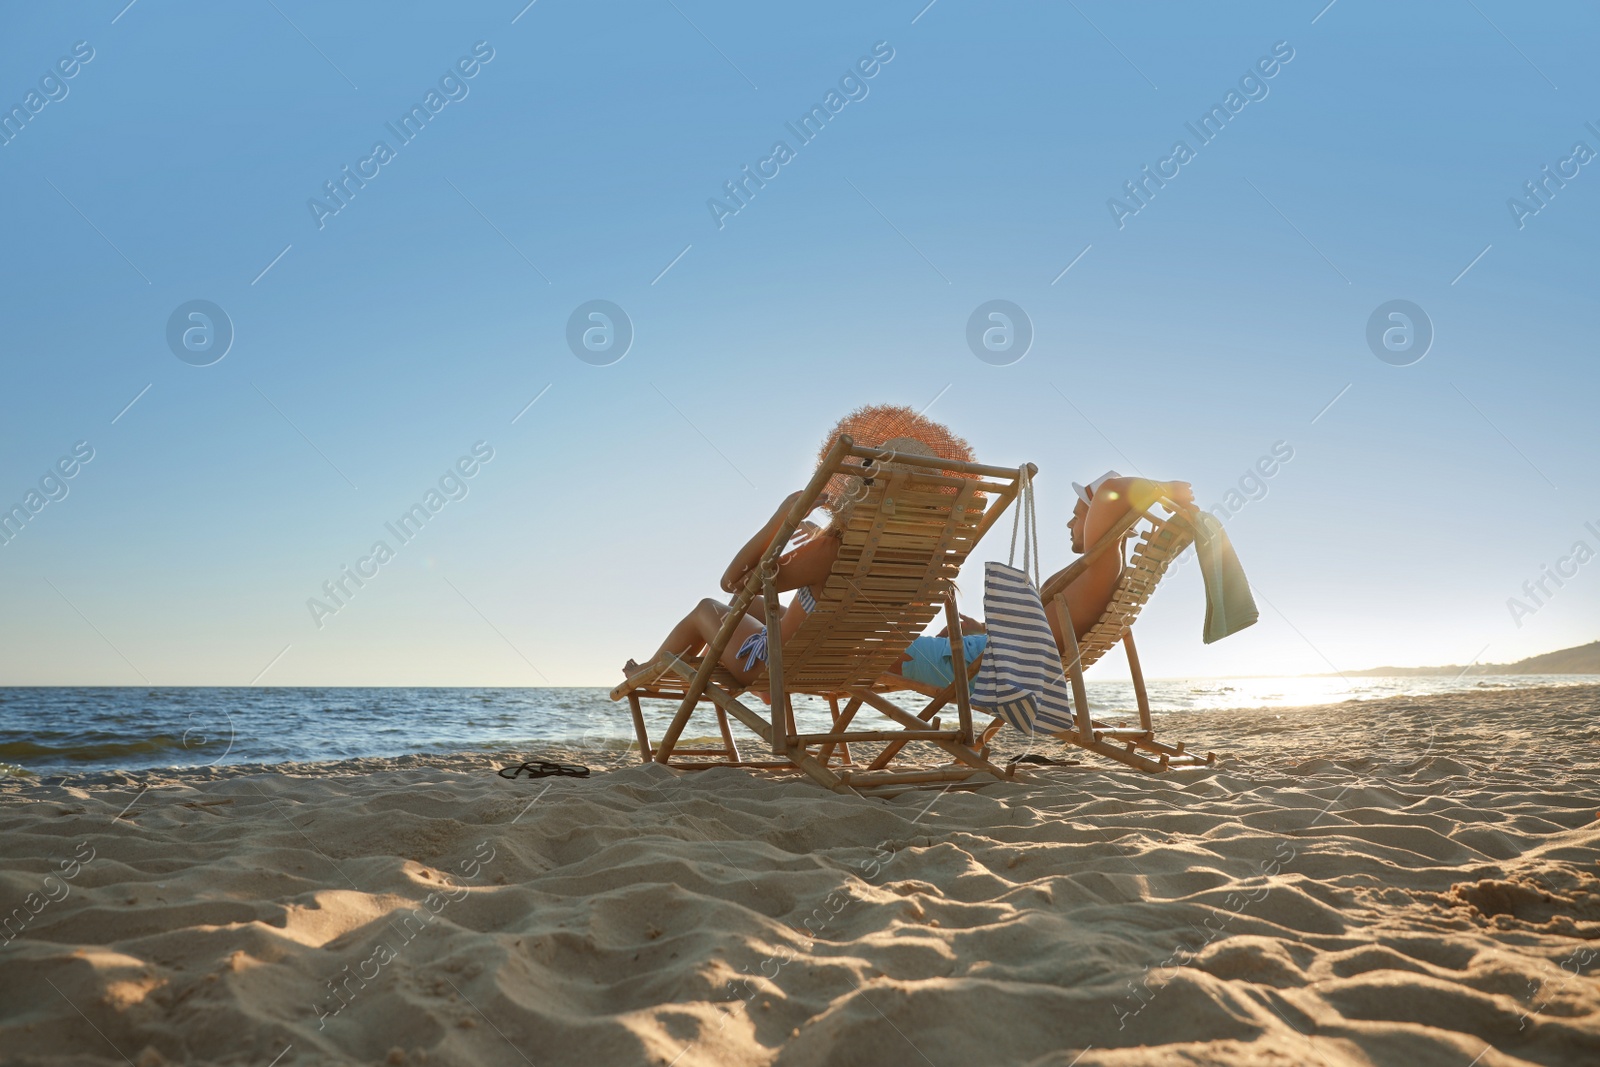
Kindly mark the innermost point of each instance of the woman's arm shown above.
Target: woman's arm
(751, 553)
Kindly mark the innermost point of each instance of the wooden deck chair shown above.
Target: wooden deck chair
(903, 543)
(1159, 542)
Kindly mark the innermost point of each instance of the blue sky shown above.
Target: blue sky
(372, 352)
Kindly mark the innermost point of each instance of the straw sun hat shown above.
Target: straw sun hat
(893, 427)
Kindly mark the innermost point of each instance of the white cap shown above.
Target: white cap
(1086, 492)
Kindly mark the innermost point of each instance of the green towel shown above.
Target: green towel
(1229, 605)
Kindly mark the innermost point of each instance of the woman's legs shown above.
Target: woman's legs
(694, 633)
(695, 630)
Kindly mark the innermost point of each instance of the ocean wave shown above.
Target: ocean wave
(81, 751)
(50, 730)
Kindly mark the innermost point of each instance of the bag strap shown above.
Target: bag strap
(1026, 520)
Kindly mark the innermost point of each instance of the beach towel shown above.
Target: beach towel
(1229, 605)
(1021, 681)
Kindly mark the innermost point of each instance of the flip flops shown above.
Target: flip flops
(545, 769)
(1033, 757)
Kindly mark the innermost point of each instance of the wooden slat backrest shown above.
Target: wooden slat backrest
(903, 542)
(1158, 545)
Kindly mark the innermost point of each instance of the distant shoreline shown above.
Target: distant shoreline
(1584, 659)
(1384, 672)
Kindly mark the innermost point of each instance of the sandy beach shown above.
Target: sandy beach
(1409, 881)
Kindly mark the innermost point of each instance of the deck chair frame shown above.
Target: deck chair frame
(825, 657)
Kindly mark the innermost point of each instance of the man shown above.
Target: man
(1102, 504)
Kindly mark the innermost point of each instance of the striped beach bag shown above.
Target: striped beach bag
(1021, 681)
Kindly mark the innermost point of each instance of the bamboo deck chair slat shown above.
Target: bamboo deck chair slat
(901, 547)
(1157, 542)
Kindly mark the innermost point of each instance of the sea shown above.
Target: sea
(47, 731)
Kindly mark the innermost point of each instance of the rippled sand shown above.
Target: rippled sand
(1411, 881)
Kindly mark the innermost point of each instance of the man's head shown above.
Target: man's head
(1080, 513)
(1075, 526)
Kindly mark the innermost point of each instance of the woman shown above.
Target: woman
(807, 566)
